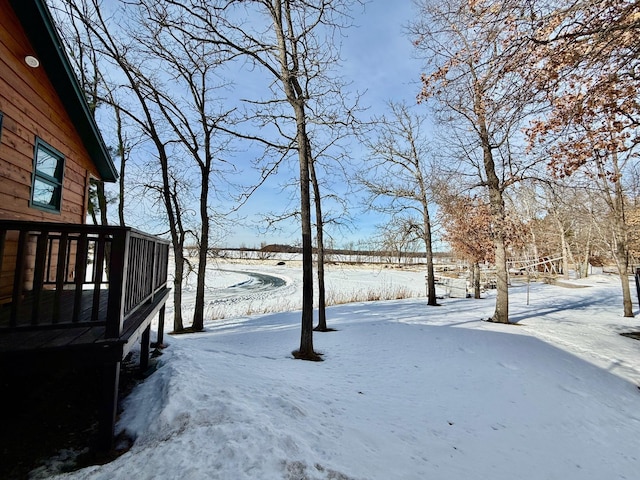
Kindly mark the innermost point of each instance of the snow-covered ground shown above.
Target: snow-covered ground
(232, 292)
(405, 391)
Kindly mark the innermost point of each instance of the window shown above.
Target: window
(48, 170)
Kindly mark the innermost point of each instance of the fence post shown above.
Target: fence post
(637, 275)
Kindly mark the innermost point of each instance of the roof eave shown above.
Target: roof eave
(40, 28)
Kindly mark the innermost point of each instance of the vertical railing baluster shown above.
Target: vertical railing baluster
(154, 264)
(146, 277)
(47, 272)
(38, 275)
(3, 238)
(80, 273)
(18, 278)
(61, 268)
(68, 256)
(127, 278)
(98, 265)
(165, 264)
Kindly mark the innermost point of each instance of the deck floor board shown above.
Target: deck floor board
(67, 335)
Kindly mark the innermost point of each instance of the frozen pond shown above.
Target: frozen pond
(255, 283)
(234, 290)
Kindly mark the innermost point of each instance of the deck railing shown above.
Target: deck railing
(63, 275)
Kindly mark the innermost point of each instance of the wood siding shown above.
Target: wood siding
(31, 109)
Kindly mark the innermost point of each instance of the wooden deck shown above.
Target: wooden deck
(80, 295)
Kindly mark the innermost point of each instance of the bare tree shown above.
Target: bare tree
(478, 98)
(322, 312)
(397, 174)
(330, 157)
(292, 43)
(196, 117)
(585, 56)
(85, 59)
(398, 238)
(118, 51)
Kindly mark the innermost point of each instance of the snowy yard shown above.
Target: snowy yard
(406, 391)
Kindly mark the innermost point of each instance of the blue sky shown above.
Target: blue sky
(378, 59)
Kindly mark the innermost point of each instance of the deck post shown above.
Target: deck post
(145, 341)
(117, 283)
(109, 405)
(160, 339)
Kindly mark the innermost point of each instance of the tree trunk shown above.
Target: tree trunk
(305, 351)
(122, 154)
(501, 314)
(177, 235)
(476, 280)
(198, 311)
(178, 325)
(587, 256)
(622, 260)
(626, 294)
(322, 314)
(431, 280)
(102, 202)
(92, 210)
(620, 238)
(288, 58)
(102, 206)
(565, 253)
(497, 209)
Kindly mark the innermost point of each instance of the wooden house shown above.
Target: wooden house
(69, 292)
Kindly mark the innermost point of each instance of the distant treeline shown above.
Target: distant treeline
(280, 248)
